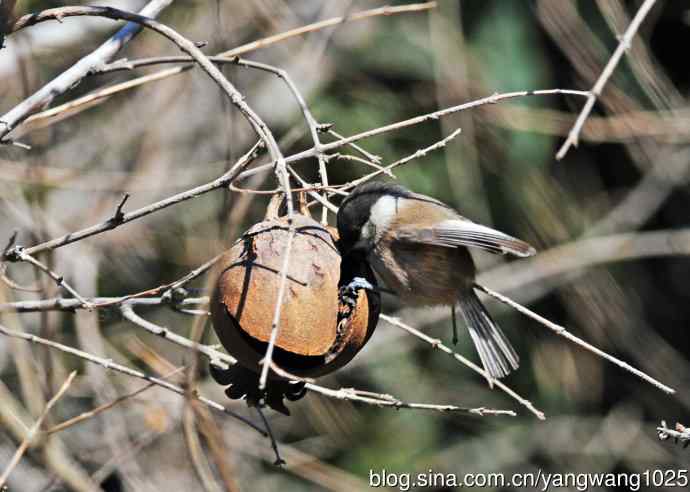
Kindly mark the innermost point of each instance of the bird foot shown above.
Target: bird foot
(349, 293)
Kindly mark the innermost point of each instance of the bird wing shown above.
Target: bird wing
(453, 233)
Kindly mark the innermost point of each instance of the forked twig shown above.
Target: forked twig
(58, 279)
(34, 430)
(107, 225)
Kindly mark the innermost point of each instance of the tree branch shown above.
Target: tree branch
(34, 429)
(68, 79)
(623, 45)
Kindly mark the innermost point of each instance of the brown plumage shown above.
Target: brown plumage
(418, 246)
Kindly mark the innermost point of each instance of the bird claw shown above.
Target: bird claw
(349, 293)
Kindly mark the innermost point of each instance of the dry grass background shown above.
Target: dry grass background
(610, 220)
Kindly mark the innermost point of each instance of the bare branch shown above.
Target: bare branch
(106, 406)
(213, 355)
(34, 429)
(78, 71)
(44, 118)
(109, 364)
(680, 433)
(623, 46)
(493, 99)
(384, 400)
(373, 158)
(220, 182)
(59, 279)
(416, 155)
(71, 305)
(437, 344)
(238, 174)
(558, 329)
(223, 360)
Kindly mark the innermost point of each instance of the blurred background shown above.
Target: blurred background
(627, 179)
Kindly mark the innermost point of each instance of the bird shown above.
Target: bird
(420, 248)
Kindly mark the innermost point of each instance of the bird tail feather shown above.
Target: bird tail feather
(495, 351)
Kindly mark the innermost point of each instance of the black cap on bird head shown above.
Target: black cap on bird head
(355, 210)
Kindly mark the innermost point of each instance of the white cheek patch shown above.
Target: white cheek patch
(382, 213)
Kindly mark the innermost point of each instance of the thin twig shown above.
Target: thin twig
(109, 364)
(437, 344)
(416, 155)
(129, 314)
(71, 77)
(34, 429)
(348, 157)
(560, 330)
(107, 225)
(38, 120)
(3, 268)
(376, 159)
(323, 201)
(274, 445)
(59, 279)
(306, 189)
(306, 112)
(239, 175)
(223, 360)
(623, 46)
(106, 406)
(168, 290)
(680, 433)
(384, 400)
(493, 99)
(71, 305)
(267, 360)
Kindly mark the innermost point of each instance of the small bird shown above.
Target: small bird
(419, 246)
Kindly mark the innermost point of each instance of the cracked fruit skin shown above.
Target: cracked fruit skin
(313, 337)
